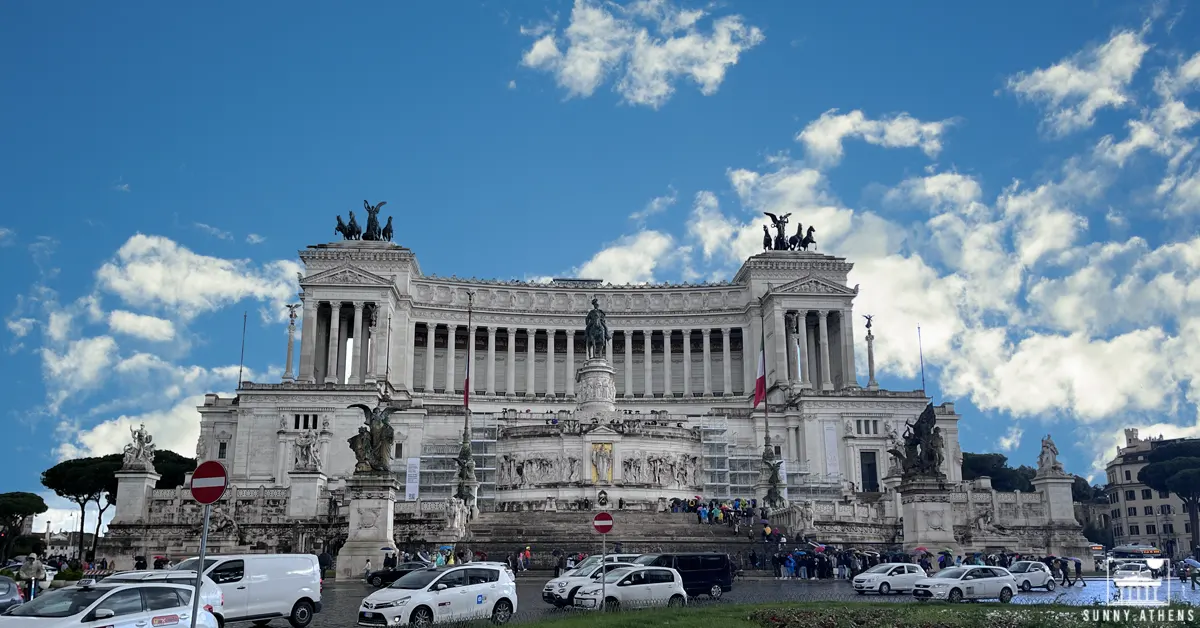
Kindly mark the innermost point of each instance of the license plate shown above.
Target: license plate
(587, 603)
(368, 614)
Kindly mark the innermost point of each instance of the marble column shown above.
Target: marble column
(530, 361)
(749, 359)
(510, 373)
(471, 370)
(359, 345)
(706, 333)
(450, 342)
(628, 334)
(291, 348)
(308, 343)
(491, 361)
(550, 333)
(608, 353)
(823, 330)
(802, 340)
(727, 363)
(335, 324)
(343, 374)
(648, 360)
(373, 346)
(687, 363)
(793, 369)
(777, 348)
(667, 364)
(791, 443)
(569, 375)
(871, 383)
(430, 334)
(851, 377)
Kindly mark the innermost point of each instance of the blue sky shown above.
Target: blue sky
(1019, 179)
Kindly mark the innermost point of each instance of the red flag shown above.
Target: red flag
(467, 380)
(760, 384)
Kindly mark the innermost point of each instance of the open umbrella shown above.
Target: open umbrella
(1192, 562)
(387, 549)
(921, 550)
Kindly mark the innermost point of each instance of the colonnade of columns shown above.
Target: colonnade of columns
(820, 349)
(648, 343)
(328, 328)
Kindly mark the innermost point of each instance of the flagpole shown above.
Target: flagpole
(921, 353)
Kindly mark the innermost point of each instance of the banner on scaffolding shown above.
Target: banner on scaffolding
(412, 480)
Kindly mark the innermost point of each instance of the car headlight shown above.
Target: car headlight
(590, 592)
(562, 585)
(400, 602)
(940, 586)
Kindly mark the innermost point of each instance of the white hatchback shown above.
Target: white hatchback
(967, 583)
(887, 577)
(211, 598)
(460, 593)
(561, 590)
(157, 605)
(1031, 574)
(634, 587)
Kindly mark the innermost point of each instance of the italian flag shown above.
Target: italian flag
(760, 383)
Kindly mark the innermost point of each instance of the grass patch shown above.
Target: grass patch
(879, 615)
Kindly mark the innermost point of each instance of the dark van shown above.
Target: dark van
(710, 574)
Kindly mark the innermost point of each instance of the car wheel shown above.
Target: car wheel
(955, 595)
(377, 582)
(612, 604)
(302, 614)
(860, 592)
(262, 622)
(421, 616)
(571, 596)
(676, 601)
(1050, 584)
(502, 612)
(1025, 586)
(715, 592)
(1006, 595)
(220, 620)
(885, 589)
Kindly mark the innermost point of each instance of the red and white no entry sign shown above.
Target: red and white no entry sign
(209, 482)
(603, 522)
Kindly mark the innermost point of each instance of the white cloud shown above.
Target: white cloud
(823, 137)
(633, 259)
(1011, 439)
(254, 238)
(142, 326)
(83, 366)
(650, 44)
(7, 236)
(153, 271)
(512, 84)
(1075, 89)
(63, 516)
(657, 205)
(176, 429)
(213, 231)
(20, 327)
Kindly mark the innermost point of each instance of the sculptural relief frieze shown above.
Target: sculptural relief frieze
(520, 470)
(665, 470)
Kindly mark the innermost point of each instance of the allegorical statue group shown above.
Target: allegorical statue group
(923, 447)
(781, 241)
(351, 230)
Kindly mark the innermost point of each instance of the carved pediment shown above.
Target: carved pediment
(813, 284)
(603, 430)
(343, 276)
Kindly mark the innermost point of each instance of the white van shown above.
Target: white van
(262, 587)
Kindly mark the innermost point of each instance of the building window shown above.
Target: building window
(1150, 529)
(1164, 495)
(1116, 513)
(1165, 509)
(1133, 531)
(778, 451)
(1118, 531)
(399, 451)
(222, 448)
(297, 421)
(1168, 528)
(1187, 528)
(1132, 511)
(1147, 494)
(1148, 511)
(1130, 496)
(1127, 477)
(858, 426)
(875, 427)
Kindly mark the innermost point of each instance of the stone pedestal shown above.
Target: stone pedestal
(1056, 495)
(928, 514)
(596, 390)
(133, 494)
(304, 494)
(372, 510)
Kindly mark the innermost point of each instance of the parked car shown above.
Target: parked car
(211, 597)
(887, 577)
(634, 587)
(561, 590)
(967, 583)
(1031, 574)
(10, 594)
(385, 577)
(708, 573)
(1133, 571)
(594, 559)
(160, 605)
(262, 587)
(459, 593)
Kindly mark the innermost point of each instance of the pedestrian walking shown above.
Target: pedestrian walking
(1079, 573)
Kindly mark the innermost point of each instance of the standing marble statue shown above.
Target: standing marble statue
(140, 453)
(1048, 463)
(308, 455)
(596, 333)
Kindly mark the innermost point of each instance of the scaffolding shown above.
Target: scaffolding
(439, 466)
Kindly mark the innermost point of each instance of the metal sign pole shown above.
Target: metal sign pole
(200, 566)
(603, 572)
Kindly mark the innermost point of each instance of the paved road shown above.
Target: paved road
(342, 599)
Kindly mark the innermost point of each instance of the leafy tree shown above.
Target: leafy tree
(15, 509)
(1082, 491)
(77, 482)
(172, 467)
(995, 466)
(1175, 467)
(105, 468)
(1098, 535)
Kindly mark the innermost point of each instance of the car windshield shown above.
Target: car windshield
(1021, 567)
(879, 569)
(950, 574)
(415, 580)
(190, 564)
(616, 575)
(648, 559)
(60, 603)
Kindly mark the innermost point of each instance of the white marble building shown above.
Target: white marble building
(374, 324)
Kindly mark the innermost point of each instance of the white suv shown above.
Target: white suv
(888, 577)
(561, 590)
(634, 587)
(460, 593)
